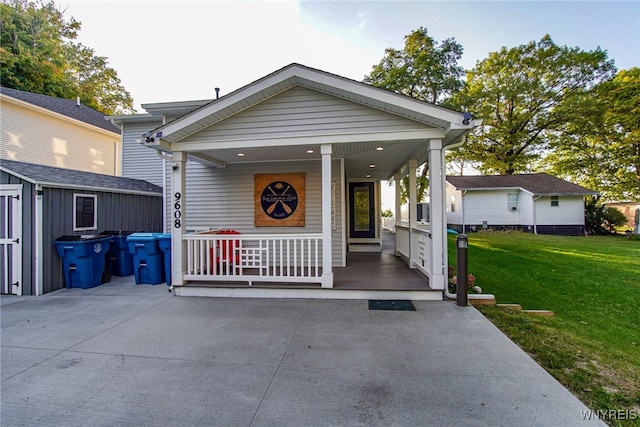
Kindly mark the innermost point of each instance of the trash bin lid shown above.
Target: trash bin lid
(82, 238)
(143, 236)
(117, 232)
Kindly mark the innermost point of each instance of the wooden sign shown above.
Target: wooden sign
(279, 200)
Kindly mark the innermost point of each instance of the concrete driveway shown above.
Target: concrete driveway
(125, 354)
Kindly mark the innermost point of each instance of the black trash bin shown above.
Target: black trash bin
(83, 260)
(119, 259)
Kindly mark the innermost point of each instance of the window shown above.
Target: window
(512, 201)
(85, 214)
(555, 201)
(453, 203)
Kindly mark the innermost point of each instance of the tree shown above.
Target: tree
(600, 149)
(37, 55)
(522, 94)
(424, 69)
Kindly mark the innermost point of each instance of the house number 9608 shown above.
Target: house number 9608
(177, 213)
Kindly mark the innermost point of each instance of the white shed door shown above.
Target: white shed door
(11, 240)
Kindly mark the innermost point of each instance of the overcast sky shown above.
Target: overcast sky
(176, 50)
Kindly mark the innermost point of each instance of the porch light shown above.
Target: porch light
(309, 151)
(368, 175)
(372, 165)
(240, 154)
(379, 148)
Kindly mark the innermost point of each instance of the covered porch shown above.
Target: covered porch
(292, 165)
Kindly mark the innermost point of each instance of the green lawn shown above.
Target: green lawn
(592, 284)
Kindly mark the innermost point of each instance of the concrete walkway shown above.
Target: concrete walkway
(125, 354)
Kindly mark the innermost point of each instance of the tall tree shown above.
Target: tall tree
(521, 94)
(37, 54)
(424, 69)
(600, 147)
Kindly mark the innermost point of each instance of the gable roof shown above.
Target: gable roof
(448, 121)
(48, 176)
(539, 184)
(66, 107)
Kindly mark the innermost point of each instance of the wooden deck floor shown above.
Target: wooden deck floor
(378, 271)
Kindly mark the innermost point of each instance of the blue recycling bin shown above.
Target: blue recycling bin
(164, 241)
(119, 259)
(147, 258)
(83, 260)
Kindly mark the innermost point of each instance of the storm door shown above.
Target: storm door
(362, 220)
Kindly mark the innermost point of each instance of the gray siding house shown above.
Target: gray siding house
(39, 205)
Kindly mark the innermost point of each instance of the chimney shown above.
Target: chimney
(77, 101)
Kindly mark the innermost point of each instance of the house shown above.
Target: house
(41, 203)
(631, 211)
(57, 132)
(269, 189)
(537, 203)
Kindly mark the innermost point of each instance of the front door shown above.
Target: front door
(362, 212)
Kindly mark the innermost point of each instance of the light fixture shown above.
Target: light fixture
(379, 148)
(368, 175)
(240, 154)
(372, 165)
(309, 151)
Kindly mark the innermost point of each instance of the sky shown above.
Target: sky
(166, 51)
(180, 50)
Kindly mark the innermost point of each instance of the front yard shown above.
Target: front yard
(592, 284)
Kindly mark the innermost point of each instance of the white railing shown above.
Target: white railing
(415, 245)
(389, 223)
(253, 257)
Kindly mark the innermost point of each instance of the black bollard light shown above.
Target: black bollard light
(462, 244)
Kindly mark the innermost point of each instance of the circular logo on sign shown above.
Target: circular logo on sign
(97, 248)
(279, 200)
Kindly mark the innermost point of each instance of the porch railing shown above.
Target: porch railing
(211, 256)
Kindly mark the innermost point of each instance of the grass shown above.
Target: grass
(592, 284)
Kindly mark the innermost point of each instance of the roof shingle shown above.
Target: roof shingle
(540, 184)
(68, 177)
(62, 106)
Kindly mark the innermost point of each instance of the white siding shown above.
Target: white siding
(490, 206)
(224, 199)
(526, 208)
(453, 196)
(570, 211)
(37, 137)
(303, 112)
(138, 161)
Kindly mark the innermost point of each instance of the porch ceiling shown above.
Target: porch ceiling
(387, 157)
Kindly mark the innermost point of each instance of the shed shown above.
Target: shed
(42, 203)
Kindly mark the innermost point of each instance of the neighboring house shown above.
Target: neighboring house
(41, 203)
(294, 162)
(537, 203)
(57, 132)
(631, 211)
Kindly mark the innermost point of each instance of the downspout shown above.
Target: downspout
(535, 225)
(464, 224)
(445, 253)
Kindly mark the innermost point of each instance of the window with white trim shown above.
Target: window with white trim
(512, 202)
(85, 212)
(453, 206)
(555, 201)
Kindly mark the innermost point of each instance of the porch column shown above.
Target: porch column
(438, 226)
(413, 214)
(398, 190)
(178, 217)
(327, 267)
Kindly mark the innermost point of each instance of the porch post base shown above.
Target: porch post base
(436, 281)
(327, 280)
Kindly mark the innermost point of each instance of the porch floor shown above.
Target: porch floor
(378, 271)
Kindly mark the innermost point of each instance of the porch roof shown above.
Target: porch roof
(359, 148)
